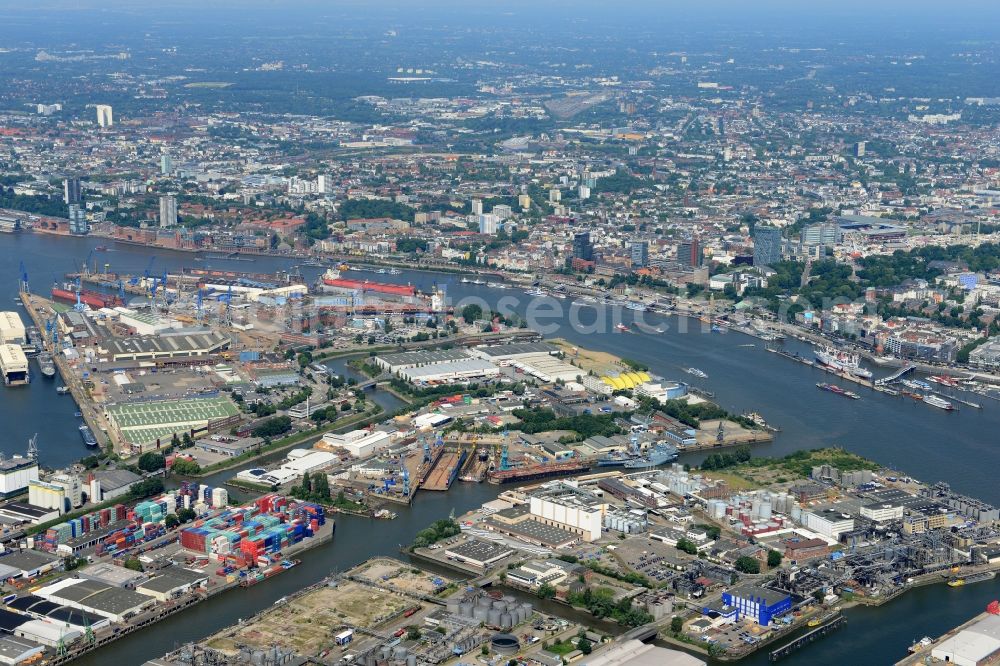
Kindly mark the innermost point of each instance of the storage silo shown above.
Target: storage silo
(499, 605)
(465, 609)
(506, 621)
(480, 614)
(765, 511)
(796, 514)
(494, 617)
(399, 653)
(528, 610)
(484, 602)
(386, 652)
(411, 660)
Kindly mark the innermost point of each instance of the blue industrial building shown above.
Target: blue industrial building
(754, 602)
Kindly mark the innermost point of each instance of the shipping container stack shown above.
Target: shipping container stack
(255, 531)
(77, 527)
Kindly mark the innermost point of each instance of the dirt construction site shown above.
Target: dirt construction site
(396, 575)
(307, 622)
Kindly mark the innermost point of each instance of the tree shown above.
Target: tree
(151, 461)
(773, 559)
(133, 563)
(171, 521)
(687, 546)
(676, 624)
(471, 313)
(185, 467)
(413, 633)
(584, 646)
(747, 565)
(546, 591)
(321, 487)
(175, 442)
(186, 515)
(187, 441)
(306, 484)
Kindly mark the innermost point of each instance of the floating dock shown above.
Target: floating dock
(14, 365)
(445, 470)
(808, 637)
(533, 472)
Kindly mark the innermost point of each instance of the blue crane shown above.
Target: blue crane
(406, 482)
(24, 277)
(121, 291)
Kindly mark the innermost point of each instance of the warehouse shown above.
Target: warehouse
(636, 653)
(359, 443)
(25, 512)
(503, 355)
(571, 509)
(302, 461)
(19, 651)
(828, 521)
(47, 633)
(548, 369)
(42, 609)
(28, 564)
(157, 347)
(11, 329)
(451, 372)
(144, 424)
(109, 574)
(394, 363)
(172, 582)
(113, 603)
(978, 643)
(478, 553)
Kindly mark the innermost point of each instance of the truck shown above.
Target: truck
(344, 637)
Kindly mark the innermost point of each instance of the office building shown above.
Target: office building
(78, 220)
(766, 245)
(105, 118)
(859, 148)
(582, 247)
(689, 253)
(168, 210)
(640, 254)
(477, 206)
(824, 233)
(71, 191)
(166, 164)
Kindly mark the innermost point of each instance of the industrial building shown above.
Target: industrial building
(481, 554)
(359, 443)
(636, 653)
(976, 644)
(450, 372)
(113, 603)
(829, 521)
(159, 347)
(749, 601)
(15, 474)
(535, 573)
(569, 508)
(14, 365)
(394, 363)
(11, 329)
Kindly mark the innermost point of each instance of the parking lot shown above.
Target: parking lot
(653, 559)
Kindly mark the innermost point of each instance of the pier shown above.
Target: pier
(807, 638)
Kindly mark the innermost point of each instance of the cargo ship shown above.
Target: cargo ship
(332, 278)
(88, 436)
(832, 388)
(45, 364)
(94, 299)
(940, 403)
(842, 361)
(974, 578)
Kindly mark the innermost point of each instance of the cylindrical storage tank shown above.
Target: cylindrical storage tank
(510, 601)
(399, 653)
(765, 510)
(465, 609)
(499, 605)
(528, 610)
(484, 602)
(411, 660)
(453, 604)
(796, 514)
(506, 621)
(386, 652)
(480, 614)
(494, 618)
(370, 659)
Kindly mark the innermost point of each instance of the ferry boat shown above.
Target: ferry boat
(465, 280)
(697, 373)
(621, 328)
(940, 403)
(478, 281)
(843, 361)
(944, 380)
(833, 388)
(88, 436)
(536, 291)
(395, 271)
